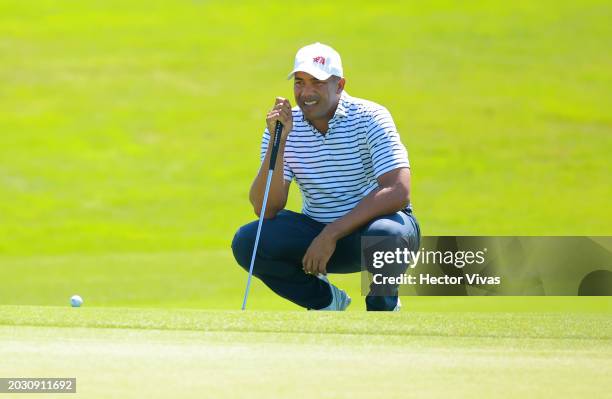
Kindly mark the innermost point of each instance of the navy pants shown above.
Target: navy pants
(286, 237)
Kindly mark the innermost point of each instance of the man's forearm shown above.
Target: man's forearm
(382, 201)
(276, 196)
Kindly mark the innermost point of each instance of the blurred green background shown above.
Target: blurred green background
(130, 131)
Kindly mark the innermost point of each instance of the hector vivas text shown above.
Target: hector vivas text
(458, 259)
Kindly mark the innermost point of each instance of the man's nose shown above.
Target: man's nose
(308, 90)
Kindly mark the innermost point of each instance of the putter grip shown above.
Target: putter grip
(277, 137)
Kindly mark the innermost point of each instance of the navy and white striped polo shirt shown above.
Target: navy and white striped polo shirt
(336, 170)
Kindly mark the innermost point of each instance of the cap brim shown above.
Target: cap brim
(316, 72)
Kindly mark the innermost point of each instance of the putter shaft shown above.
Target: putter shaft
(275, 145)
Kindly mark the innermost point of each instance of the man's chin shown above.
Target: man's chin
(309, 113)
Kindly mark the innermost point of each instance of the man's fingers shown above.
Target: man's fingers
(305, 261)
(286, 117)
(281, 112)
(311, 266)
(321, 267)
(282, 107)
(275, 115)
(316, 267)
(281, 102)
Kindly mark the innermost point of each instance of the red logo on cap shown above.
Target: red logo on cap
(319, 60)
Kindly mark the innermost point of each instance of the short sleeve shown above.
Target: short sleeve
(386, 148)
(265, 140)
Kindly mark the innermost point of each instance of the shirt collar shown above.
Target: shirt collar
(341, 110)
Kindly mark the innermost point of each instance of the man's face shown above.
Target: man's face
(317, 98)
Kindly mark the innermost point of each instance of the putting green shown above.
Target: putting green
(134, 353)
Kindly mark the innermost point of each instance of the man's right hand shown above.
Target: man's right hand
(280, 112)
(279, 187)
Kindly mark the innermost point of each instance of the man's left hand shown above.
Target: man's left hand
(318, 254)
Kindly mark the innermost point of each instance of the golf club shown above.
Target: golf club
(277, 136)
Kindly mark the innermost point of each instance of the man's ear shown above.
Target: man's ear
(340, 87)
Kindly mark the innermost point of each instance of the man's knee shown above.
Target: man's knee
(403, 228)
(243, 243)
(383, 227)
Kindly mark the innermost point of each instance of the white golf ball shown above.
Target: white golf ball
(76, 301)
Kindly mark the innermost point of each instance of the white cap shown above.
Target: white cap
(318, 60)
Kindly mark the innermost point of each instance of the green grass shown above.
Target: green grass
(585, 324)
(134, 126)
(208, 280)
(152, 353)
